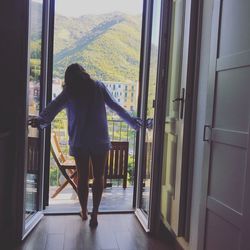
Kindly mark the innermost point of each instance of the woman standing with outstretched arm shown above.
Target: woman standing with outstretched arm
(84, 100)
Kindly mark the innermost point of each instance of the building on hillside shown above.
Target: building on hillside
(125, 93)
(57, 87)
(34, 94)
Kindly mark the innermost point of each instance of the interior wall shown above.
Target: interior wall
(13, 51)
(200, 122)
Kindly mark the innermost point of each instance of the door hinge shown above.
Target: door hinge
(207, 131)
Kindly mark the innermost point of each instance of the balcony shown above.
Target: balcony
(115, 197)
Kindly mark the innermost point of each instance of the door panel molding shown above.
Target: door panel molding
(233, 61)
(222, 210)
(230, 137)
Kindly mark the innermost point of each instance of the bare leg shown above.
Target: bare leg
(82, 164)
(99, 162)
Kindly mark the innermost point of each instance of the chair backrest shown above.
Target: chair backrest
(56, 150)
(117, 160)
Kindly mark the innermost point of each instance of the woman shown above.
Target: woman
(84, 100)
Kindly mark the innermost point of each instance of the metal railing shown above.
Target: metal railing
(118, 131)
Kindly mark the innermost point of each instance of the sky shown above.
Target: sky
(76, 8)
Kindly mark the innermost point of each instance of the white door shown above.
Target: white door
(172, 194)
(225, 217)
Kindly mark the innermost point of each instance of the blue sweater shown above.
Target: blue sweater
(87, 123)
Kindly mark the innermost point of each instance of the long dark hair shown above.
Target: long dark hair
(78, 82)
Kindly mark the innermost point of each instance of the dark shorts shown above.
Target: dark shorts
(94, 149)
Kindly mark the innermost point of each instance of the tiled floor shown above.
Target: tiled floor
(114, 199)
(114, 232)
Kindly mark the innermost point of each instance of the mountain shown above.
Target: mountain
(107, 45)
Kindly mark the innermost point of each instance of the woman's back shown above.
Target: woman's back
(84, 100)
(87, 119)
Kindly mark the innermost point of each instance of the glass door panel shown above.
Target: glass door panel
(33, 169)
(149, 109)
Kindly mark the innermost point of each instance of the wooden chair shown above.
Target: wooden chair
(67, 167)
(117, 163)
(116, 166)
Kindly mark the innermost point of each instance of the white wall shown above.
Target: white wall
(200, 122)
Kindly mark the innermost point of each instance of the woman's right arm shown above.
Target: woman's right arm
(49, 113)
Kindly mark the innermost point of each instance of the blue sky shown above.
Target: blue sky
(77, 8)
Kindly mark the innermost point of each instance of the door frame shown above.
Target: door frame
(143, 31)
(144, 73)
(191, 108)
(209, 119)
(161, 94)
(48, 68)
(48, 95)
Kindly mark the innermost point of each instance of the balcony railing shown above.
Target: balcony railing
(118, 131)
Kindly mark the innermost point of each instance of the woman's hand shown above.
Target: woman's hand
(149, 123)
(35, 122)
(137, 123)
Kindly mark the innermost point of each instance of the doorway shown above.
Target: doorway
(106, 41)
(107, 35)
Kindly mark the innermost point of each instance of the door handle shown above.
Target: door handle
(181, 100)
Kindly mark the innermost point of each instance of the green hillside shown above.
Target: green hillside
(108, 46)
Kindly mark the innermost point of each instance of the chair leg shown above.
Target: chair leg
(124, 182)
(59, 189)
(69, 180)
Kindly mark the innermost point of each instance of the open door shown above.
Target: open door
(32, 200)
(172, 165)
(155, 47)
(163, 174)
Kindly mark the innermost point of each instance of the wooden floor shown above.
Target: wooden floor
(69, 232)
